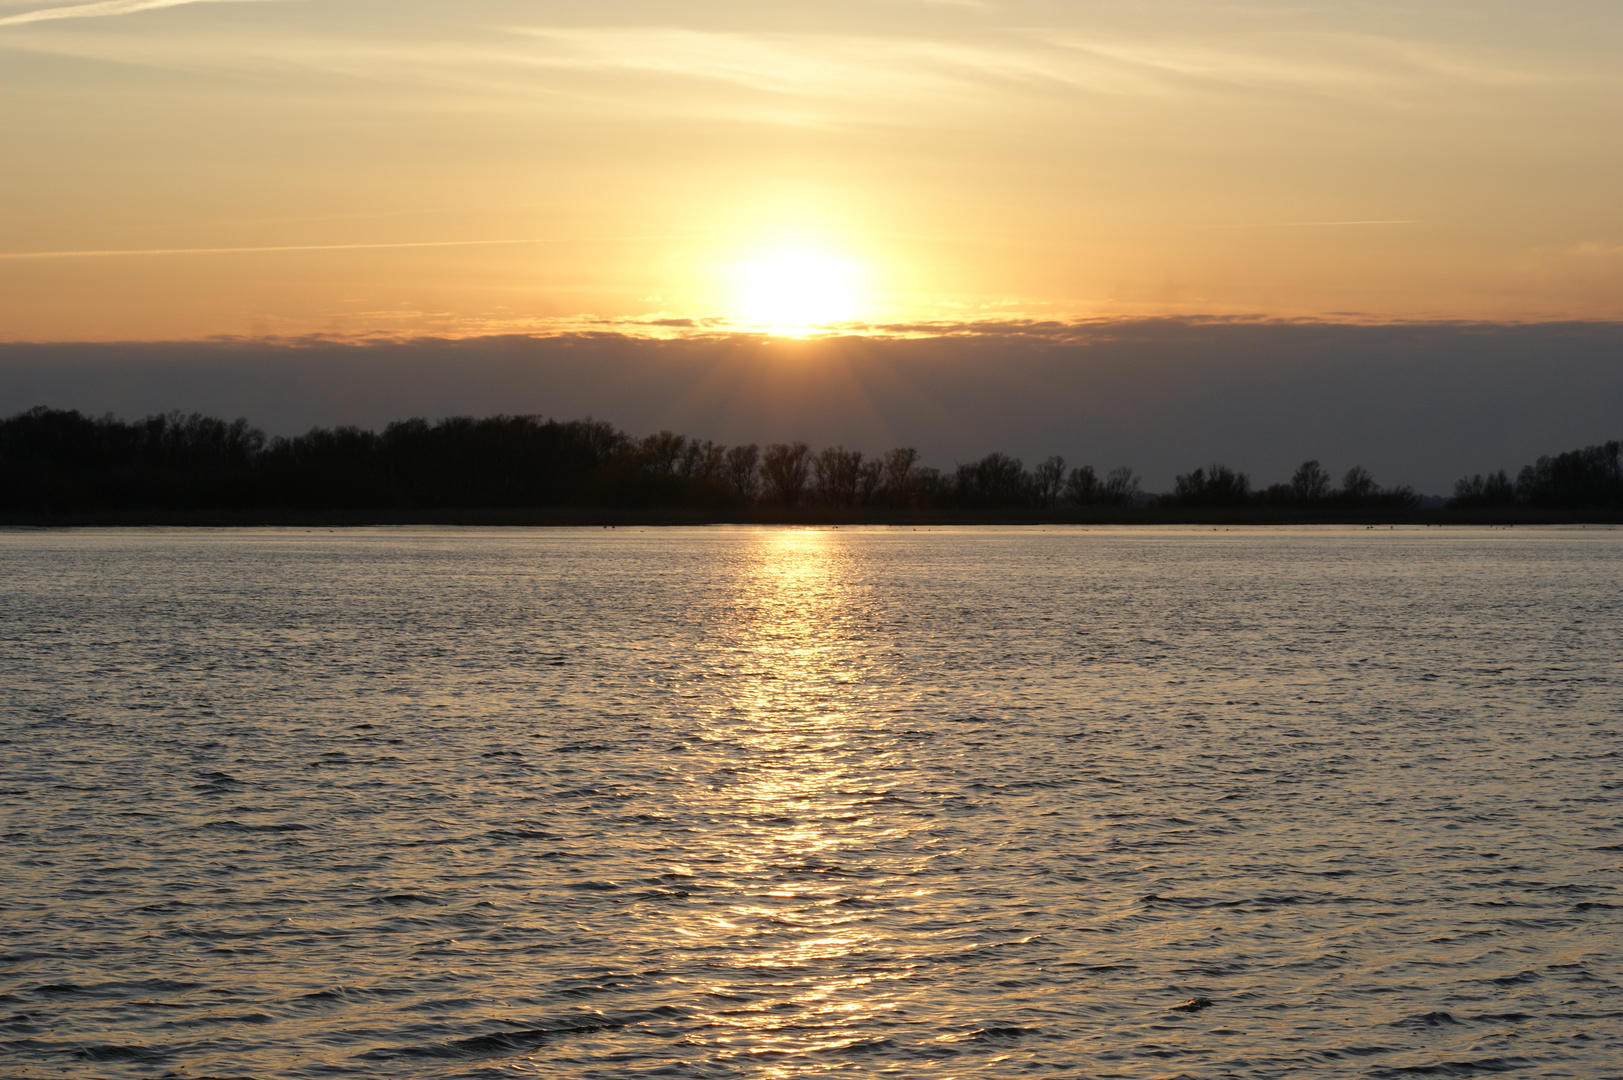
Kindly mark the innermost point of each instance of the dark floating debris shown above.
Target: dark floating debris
(1194, 1004)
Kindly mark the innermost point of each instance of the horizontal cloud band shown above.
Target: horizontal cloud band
(1415, 403)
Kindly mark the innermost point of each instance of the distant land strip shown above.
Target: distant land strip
(59, 467)
(808, 517)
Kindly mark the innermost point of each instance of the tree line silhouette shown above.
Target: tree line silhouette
(1591, 477)
(56, 461)
(59, 461)
(1309, 488)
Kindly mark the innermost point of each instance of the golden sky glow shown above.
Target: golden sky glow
(349, 167)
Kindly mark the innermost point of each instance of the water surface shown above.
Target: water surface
(782, 803)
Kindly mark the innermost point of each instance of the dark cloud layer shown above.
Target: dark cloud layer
(1418, 403)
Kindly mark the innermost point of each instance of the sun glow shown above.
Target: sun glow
(796, 292)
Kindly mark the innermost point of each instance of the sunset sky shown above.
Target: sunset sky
(276, 168)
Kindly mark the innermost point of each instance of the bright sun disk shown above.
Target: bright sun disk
(795, 292)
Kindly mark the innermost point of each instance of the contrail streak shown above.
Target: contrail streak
(1315, 224)
(101, 8)
(279, 247)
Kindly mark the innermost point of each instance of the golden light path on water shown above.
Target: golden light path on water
(734, 803)
(809, 766)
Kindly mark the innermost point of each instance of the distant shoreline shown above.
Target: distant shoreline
(59, 468)
(806, 516)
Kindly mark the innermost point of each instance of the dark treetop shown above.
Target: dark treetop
(59, 462)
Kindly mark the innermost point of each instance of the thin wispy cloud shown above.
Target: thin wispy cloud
(839, 63)
(825, 65)
(732, 73)
(266, 249)
(1592, 249)
(822, 66)
(1337, 64)
(100, 9)
(133, 252)
(1316, 224)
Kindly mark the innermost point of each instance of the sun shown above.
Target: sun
(796, 292)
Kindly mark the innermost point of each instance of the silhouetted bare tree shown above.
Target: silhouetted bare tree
(869, 479)
(703, 461)
(1357, 486)
(1309, 484)
(1221, 486)
(662, 452)
(932, 487)
(898, 484)
(1359, 489)
(838, 473)
(741, 470)
(995, 480)
(1082, 487)
(1495, 489)
(1591, 477)
(785, 468)
(1120, 487)
(1048, 480)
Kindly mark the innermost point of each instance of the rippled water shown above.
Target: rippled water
(717, 803)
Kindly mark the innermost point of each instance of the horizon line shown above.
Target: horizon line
(665, 328)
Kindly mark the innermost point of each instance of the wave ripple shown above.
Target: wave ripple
(777, 802)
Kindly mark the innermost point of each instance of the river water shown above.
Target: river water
(782, 803)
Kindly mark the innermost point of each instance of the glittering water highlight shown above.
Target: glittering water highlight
(781, 803)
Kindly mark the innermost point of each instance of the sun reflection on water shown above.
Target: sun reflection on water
(794, 833)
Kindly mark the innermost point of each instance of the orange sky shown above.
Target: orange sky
(494, 166)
